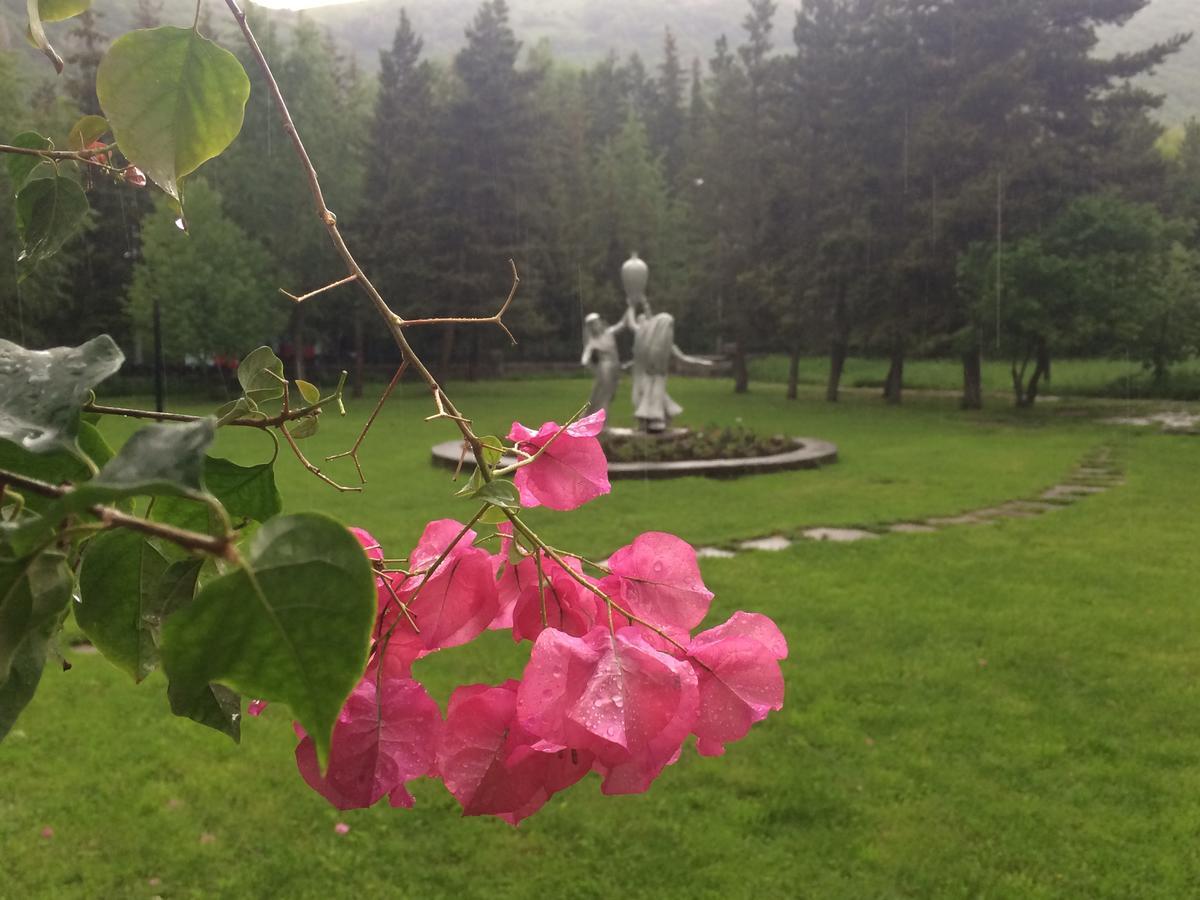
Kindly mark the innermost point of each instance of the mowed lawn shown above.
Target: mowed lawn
(992, 711)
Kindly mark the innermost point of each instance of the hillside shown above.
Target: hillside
(584, 30)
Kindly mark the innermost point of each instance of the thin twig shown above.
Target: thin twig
(263, 423)
(497, 319)
(114, 518)
(287, 435)
(311, 294)
(353, 451)
(394, 322)
(77, 155)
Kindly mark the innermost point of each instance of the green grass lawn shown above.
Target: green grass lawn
(1000, 711)
(1115, 378)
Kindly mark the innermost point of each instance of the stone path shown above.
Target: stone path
(1095, 474)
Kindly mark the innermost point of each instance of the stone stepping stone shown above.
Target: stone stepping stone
(1007, 511)
(1072, 491)
(715, 553)
(770, 545)
(840, 535)
(1038, 506)
(966, 519)
(911, 528)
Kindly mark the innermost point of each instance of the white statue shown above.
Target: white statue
(653, 348)
(600, 352)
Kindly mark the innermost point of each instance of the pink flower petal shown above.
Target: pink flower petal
(739, 679)
(614, 695)
(658, 579)
(341, 828)
(571, 471)
(384, 737)
(488, 761)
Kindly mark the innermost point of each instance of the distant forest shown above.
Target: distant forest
(883, 176)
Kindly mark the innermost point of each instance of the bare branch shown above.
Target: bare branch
(114, 518)
(353, 451)
(497, 319)
(394, 322)
(311, 294)
(314, 469)
(76, 155)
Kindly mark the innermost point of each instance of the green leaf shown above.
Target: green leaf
(86, 132)
(235, 409)
(61, 10)
(294, 626)
(34, 594)
(121, 599)
(308, 391)
(42, 391)
(174, 100)
(50, 11)
(500, 493)
(304, 428)
(50, 211)
(474, 483)
(217, 707)
(492, 450)
(261, 375)
(57, 467)
(19, 165)
(158, 460)
(247, 492)
(494, 516)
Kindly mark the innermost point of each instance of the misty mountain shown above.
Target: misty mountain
(585, 30)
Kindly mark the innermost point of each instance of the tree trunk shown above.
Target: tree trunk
(837, 364)
(972, 397)
(793, 384)
(360, 352)
(1027, 395)
(893, 387)
(741, 373)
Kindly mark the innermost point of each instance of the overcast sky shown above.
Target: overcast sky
(299, 4)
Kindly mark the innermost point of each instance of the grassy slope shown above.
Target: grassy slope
(1005, 712)
(922, 460)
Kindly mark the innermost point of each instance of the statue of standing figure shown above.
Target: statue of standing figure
(653, 348)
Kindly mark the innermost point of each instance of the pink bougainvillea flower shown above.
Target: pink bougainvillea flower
(341, 828)
(447, 606)
(489, 762)
(614, 695)
(385, 736)
(370, 545)
(739, 678)
(571, 471)
(559, 602)
(658, 579)
(255, 707)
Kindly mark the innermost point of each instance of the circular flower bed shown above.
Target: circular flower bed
(714, 442)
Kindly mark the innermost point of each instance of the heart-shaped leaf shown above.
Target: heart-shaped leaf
(21, 164)
(294, 625)
(34, 594)
(261, 375)
(174, 100)
(42, 391)
(121, 595)
(86, 132)
(50, 211)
